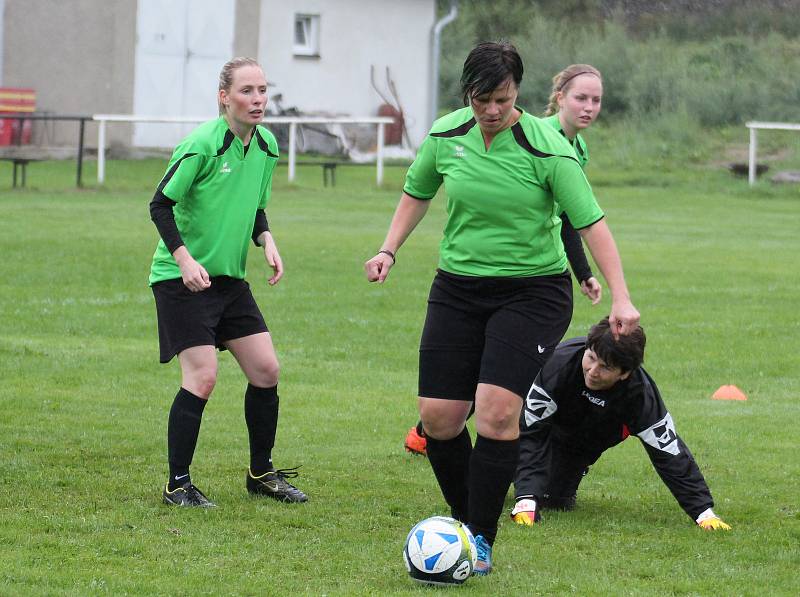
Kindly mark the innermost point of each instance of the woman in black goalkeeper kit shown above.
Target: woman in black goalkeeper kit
(590, 396)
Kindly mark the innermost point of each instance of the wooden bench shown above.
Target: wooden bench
(329, 168)
(20, 164)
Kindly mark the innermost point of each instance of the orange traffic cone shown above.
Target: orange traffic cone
(728, 393)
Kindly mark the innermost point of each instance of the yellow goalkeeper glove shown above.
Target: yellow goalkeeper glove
(525, 512)
(711, 522)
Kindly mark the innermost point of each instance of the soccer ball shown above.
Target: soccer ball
(440, 551)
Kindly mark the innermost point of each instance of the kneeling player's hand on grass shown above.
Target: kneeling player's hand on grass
(714, 524)
(525, 512)
(711, 522)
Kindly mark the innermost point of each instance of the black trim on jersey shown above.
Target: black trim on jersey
(522, 141)
(263, 144)
(418, 198)
(578, 147)
(171, 172)
(574, 142)
(226, 143)
(459, 131)
(592, 224)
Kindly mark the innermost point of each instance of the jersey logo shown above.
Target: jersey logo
(538, 406)
(593, 399)
(459, 151)
(662, 436)
(225, 168)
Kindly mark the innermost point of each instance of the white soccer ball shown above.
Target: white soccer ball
(440, 551)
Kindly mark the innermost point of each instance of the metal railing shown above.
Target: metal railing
(292, 121)
(754, 126)
(81, 119)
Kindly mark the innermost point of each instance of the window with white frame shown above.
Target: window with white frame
(306, 35)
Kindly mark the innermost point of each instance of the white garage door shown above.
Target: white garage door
(181, 46)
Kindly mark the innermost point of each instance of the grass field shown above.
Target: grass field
(711, 265)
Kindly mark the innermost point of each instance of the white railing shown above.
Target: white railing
(292, 121)
(754, 126)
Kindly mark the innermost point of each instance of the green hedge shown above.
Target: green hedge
(720, 81)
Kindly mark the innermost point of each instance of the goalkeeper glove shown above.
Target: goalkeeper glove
(525, 512)
(711, 522)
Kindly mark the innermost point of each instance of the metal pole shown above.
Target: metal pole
(433, 109)
(379, 159)
(751, 165)
(101, 152)
(292, 137)
(80, 150)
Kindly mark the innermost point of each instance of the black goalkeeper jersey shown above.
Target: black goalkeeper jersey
(562, 414)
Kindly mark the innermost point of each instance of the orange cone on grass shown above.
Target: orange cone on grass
(728, 393)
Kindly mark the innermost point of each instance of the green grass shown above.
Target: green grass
(711, 265)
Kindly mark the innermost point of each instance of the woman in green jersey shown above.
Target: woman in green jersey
(502, 298)
(573, 106)
(207, 207)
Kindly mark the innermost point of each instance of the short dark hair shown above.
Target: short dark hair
(488, 66)
(626, 352)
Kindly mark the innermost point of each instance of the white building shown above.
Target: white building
(162, 57)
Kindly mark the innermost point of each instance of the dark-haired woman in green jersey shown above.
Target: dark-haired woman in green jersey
(502, 298)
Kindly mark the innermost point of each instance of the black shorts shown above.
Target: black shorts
(496, 331)
(224, 311)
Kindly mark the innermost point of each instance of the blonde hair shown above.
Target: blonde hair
(226, 75)
(562, 81)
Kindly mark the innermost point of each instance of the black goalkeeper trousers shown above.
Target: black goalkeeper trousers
(566, 473)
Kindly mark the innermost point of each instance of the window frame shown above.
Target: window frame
(310, 24)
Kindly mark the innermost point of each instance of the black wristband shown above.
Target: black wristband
(389, 253)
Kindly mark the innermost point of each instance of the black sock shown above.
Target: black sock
(450, 462)
(182, 431)
(261, 415)
(420, 430)
(491, 467)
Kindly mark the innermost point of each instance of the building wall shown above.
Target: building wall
(77, 55)
(354, 34)
(245, 41)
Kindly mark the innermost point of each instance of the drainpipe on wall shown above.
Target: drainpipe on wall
(435, 50)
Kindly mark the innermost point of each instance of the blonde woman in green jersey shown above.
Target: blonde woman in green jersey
(207, 207)
(574, 104)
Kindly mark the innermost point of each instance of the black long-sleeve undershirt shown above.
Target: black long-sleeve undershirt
(164, 219)
(573, 247)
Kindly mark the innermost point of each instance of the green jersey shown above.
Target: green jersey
(501, 203)
(578, 144)
(217, 188)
